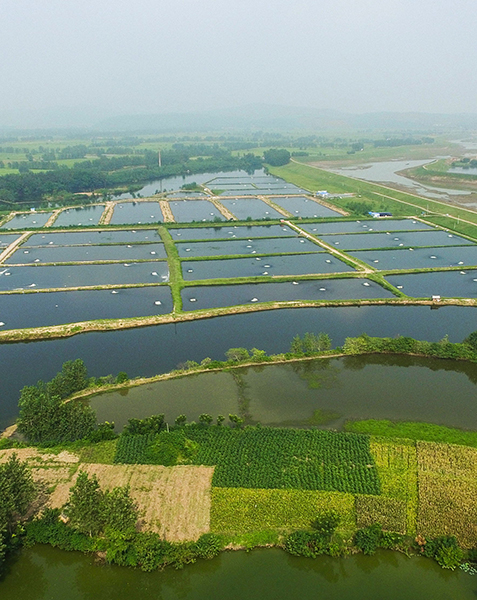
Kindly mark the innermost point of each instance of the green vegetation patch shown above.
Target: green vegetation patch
(240, 510)
(262, 457)
(414, 431)
(388, 512)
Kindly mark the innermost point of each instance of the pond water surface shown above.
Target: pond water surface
(56, 308)
(45, 573)
(453, 284)
(53, 254)
(288, 264)
(136, 212)
(253, 208)
(186, 211)
(24, 221)
(304, 207)
(151, 350)
(430, 258)
(398, 388)
(322, 289)
(86, 215)
(251, 246)
(365, 226)
(45, 277)
(397, 239)
(108, 236)
(231, 231)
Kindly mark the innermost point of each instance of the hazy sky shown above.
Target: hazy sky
(150, 56)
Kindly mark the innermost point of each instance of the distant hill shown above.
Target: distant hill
(245, 118)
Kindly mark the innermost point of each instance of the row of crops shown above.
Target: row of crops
(262, 457)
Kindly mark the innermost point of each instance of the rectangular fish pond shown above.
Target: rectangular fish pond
(396, 239)
(7, 239)
(450, 284)
(55, 254)
(250, 246)
(186, 211)
(44, 277)
(419, 258)
(27, 220)
(366, 226)
(108, 236)
(136, 212)
(56, 308)
(217, 296)
(299, 206)
(85, 215)
(231, 231)
(250, 207)
(291, 264)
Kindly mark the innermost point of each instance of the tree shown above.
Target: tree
(206, 419)
(85, 507)
(72, 378)
(120, 511)
(471, 340)
(276, 157)
(237, 354)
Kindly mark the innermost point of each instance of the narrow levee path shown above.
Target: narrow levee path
(11, 249)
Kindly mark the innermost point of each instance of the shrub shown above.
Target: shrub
(368, 539)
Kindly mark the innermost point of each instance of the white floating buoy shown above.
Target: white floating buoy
(36, 260)
(450, 235)
(265, 273)
(254, 300)
(434, 257)
(129, 246)
(253, 252)
(192, 299)
(463, 273)
(26, 252)
(2, 323)
(158, 303)
(187, 249)
(294, 282)
(7, 274)
(190, 270)
(401, 244)
(322, 289)
(460, 262)
(328, 261)
(249, 246)
(267, 266)
(152, 253)
(154, 273)
(258, 259)
(366, 283)
(375, 261)
(302, 241)
(126, 265)
(32, 285)
(399, 287)
(114, 292)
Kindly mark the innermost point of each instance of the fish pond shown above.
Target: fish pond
(215, 296)
(288, 264)
(56, 308)
(230, 231)
(187, 211)
(321, 392)
(53, 254)
(395, 240)
(420, 258)
(85, 215)
(136, 212)
(108, 236)
(253, 208)
(454, 284)
(44, 277)
(365, 226)
(300, 206)
(27, 220)
(250, 246)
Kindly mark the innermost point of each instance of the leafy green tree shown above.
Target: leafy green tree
(237, 354)
(181, 420)
(471, 340)
(120, 511)
(276, 157)
(122, 377)
(72, 378)
(85, 507)
(206, 419)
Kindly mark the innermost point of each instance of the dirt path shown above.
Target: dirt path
(107, 215)
(11, 249)
(225, 212)
(272, 204)
(166, 211)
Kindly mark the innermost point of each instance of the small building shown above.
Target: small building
(380, 215)
(436, 298)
